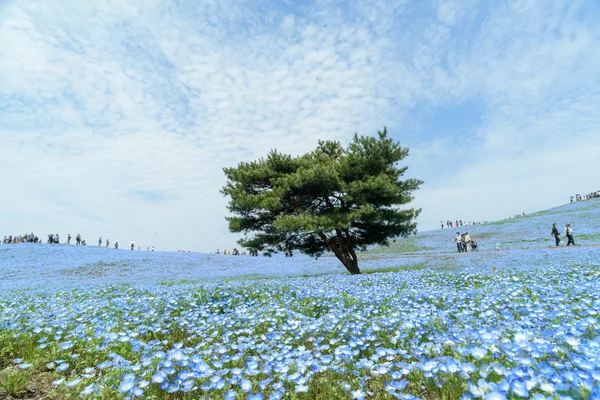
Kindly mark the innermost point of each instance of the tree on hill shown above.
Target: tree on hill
(331, 199)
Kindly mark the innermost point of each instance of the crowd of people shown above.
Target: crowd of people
(449, 224)
(54, 238)
(591, 195)
(237, 252)
(26, 238)
(465, 243)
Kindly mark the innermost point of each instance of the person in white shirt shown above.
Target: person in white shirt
(459, 242)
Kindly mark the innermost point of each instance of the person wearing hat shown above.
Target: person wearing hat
(569, 234)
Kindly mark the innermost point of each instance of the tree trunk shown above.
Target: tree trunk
(342, 248)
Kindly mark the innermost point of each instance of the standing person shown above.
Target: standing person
(78, 239)
(117, 245)
(569, 234)
(132, 245)
(467, 242)
(68, 238)
(442, 224)
(556, 234)
(458, 242)
(99, 242)
(107, 242)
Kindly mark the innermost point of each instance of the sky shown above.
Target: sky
(117, 117)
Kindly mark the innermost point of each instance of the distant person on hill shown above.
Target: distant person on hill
(442, 224)
(107, 242)
(99, 242)
(457, 223)
(556, 234)
(69, 238)
(132, 245)
(569, 234)
(117, 245)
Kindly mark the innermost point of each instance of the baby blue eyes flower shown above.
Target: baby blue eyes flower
(520, 389)
(158, 377)
(25, 366)
(246, 385)
(62, 367)
(257, 396)
(495, 396)
(66, 345)
(89, 389)
(58, 382)
(73, 382)
(301, 388)
(358, 394)
(105, 364)
(478, 352)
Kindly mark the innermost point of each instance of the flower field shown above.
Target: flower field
(505, 324)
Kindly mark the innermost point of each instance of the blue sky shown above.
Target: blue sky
(116, 117)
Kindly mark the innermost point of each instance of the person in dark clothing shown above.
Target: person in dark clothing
(556, 234)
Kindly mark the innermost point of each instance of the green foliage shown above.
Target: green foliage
(331, 199)
(14, 381)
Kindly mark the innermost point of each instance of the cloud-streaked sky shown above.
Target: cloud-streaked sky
(116, 117)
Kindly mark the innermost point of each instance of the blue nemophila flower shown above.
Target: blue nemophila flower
(495, 396)
(520, 389)
(58, 382)
(246, 385)
(25, 366)
(73, 382)
(105, 364)
(62, 367)
(66, 345)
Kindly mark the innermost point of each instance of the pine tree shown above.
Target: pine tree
(331, 199)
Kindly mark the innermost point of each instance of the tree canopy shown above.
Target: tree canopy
(331, 199)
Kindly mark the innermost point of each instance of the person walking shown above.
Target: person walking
(69, 238)
(117, 245)
(569, 234)
(556, 234)
(458, 242)
(78, 239)
(132, 245)
(107, 242)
